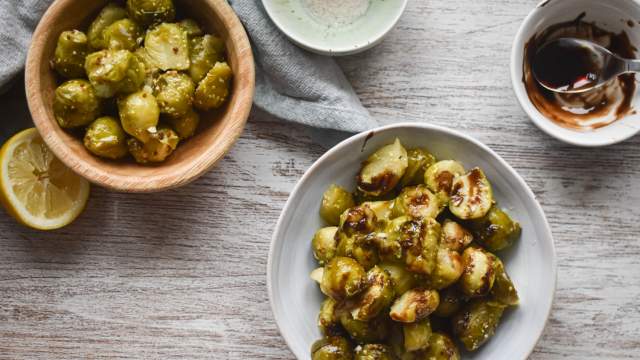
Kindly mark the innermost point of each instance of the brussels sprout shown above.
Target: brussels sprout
(383, 169)
(150, 12)
(332, 348)
(420, 239)
(477, 322)
(114, 72)
(343, 277)
(388, 247)
(496, 231)
(358, 220)
(441, 347)
(450, 302)
(365, 331)
(419, 161)
(139, 114)
(317, 274)
(335, 201)
(75, 104)
(151, 71)
(402, 279)
(186, 124)
(374, 352)
(328, 319)
(377, 296)
(204, 52)
(439, 177)
(158, 147)
(479, 275)
(358, 248)
(213, 90)
(414, 305)
(105, 138)
(471, 195)
(503, 289)
(416, 335)
(123, 34)
(417, 202)
(71, 50)
(382, 209)
(109, 14)
(191, 27)
(324, 244)
(454, 236)
(168, 47)
(174, 92)
(448, 269)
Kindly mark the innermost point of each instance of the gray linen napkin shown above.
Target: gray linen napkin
(291, 84)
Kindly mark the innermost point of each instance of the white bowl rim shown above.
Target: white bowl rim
(362, 136)
(340, 51)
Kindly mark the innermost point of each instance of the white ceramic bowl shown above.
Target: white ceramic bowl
(316, 34)
(611, 15)
(295, 298)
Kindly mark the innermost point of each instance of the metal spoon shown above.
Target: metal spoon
(570, 66)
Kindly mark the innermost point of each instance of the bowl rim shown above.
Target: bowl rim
(159, 181)
(277, 236)
(341, 51)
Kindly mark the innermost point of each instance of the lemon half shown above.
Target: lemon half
(35, 187)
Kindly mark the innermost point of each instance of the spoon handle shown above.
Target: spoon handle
(633, 66)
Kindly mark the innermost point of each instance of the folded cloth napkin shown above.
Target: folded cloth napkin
(291, 84)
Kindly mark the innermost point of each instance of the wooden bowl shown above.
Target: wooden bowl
(219, 129)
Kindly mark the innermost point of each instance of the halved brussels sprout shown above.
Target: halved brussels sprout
(414, 305)
(441, 347)
(324, 244)
(358, 220)
(332, 348)
(403, 280)
(357, 247)
(388, 247)
(150, 12)
(204, 52)
(362, 332)
(374, 352)
(328, 317)
(186, 124)
(419, 161)
(454, 236)
(174, 92)
(335, 201)
(139, 114)
(317, 274)
(122, 34)
(382, 171)
(168, 47)
(213, 90)
(105, 138)
(496, 231)
(503, 289)
(439, 177)
(450, 302)
(375, 298)
(191, 27)
(477, 322)
(114, 72)
(417, 202)
(342, 278)
(420, 240)
(109, 14)
(448, 269)
(479, 274)
(71, 50)
(416, 335)
(382, 209)
(160, 145)
(75, 104)
(471, 195)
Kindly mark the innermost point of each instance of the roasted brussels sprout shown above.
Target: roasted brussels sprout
(191, 27)
(479, 275)
(450, 302)
(317, 274)
(357, 247)
(109, 14)
(362, 332)
(168, 47)
(454, 236)
(328, 318)
(174, 92)
(324, 244)
(388, 247)
(402, 279)
(420, 241)
(471, 195)
(448, 269)
(414, 305)
(205, 52)
(158, 147)
(374, 352)
(383, 169)
(139, 113)
(114, 72)
(495, 231)
(213, 90)
(335, 201)
(332, 348)
(75, 104)
(150, 12)
(441, 347)
(105, 138)
(358, 220)
(71, 50)
(419, 161)
(123, 34)
(342, 278)
(477, 322)
(439, 177)
(417, 202)
(376, 297)
(503, 290)
(382, 209)
(416, 335)
(186, 124)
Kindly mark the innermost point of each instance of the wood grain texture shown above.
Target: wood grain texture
(181, 274)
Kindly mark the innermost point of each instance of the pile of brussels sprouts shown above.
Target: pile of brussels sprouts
(137, 79)
(408, 262)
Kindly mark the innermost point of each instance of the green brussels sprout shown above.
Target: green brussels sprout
(158, 147)
(332, 348)
(205, 52)
(382, 209)
(71, 50)
(151, 12)
(123, 34)
(479, 274)
(151, 71)
(441, 347)
(420, 241)
(419, 161)
(328, 317)
(454, 236)
(167, 46)
(109, 14)
(105, 138)
(448, 269)
(416, 335)
(401, 278)
(414, 305)
(139, 113)
(185, 125)
(382, 171)
(387, 245)
(450, 302)
(114, 72)
(335, 201)
(324, 244)
(376, 297)
(417, 202)
(75, 104)
(495, 231)
(503, 289)
(174, 92)
(471, 195)
(342, 278)
(358, 220)
(191, 27)
(439, 177)
(374, 352)
(356, 247)
(370, 331)
(477, 322)
(213, 90)
(316, 275)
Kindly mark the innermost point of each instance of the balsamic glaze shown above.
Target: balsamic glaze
(563, 66)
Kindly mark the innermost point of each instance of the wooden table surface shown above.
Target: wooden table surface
(181, 274)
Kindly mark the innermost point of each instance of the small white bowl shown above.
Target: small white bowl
(316, 34)
(295, 298)
(611, 15)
